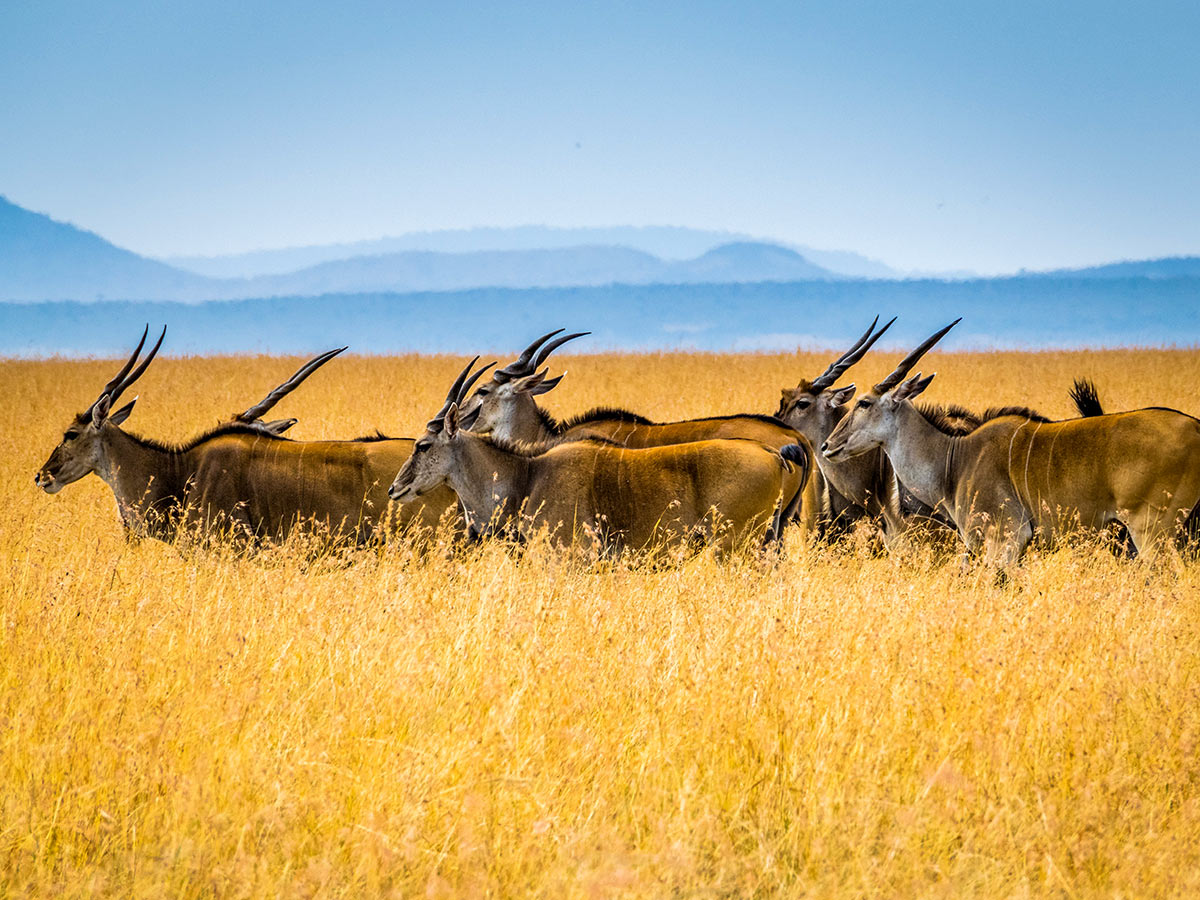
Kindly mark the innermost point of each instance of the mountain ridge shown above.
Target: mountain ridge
(668, 242)
(45, 259)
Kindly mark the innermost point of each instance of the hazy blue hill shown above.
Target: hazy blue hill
(665, 242)
(1167, 267)
(745, 261)
(565, 267)
(41, 259)
(1028, 312)
(421, 271)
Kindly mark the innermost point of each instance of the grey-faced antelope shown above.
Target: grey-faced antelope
(866, 485)
(505, 409)
(1013, 478)
(597, 493)
(239, 477)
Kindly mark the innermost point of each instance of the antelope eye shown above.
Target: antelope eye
(864, 403)
(483, 392)
(70, 435)
(422, 446)
(803, 404)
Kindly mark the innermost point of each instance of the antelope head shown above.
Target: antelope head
(815, 407)
(81, 450)
(432, 459)
(872, 421)
(504, 406)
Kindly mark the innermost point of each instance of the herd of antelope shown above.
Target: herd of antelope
(492, 462)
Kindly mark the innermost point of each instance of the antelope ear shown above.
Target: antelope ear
(906, 390)
(924, 383)
(842, 395)
(548, 385)
(531, 383)
(279, 426)
(450, 422)
(100, 410)
(123, 413)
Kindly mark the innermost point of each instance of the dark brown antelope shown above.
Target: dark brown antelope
(505, 409)
(597, 493)
(1013, 478)
(238, 478)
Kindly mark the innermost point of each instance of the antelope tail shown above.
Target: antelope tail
(1086, 397)
(795, 455)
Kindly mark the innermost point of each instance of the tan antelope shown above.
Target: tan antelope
(238, 478)
(504, 408)
(1014, 479)
(598, 493)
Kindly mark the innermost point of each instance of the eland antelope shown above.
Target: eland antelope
(240, 477)
(505, 409)
(599, 493)
(1013, 478)
(866, 485)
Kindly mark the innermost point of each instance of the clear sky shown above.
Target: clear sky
(930, 135)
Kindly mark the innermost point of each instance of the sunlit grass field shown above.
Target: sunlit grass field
(194, 723)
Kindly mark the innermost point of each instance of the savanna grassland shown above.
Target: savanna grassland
(187, 723)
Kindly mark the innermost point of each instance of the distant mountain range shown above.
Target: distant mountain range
(41, 259)
(1167, 267)
(666, 242)
(733, 295)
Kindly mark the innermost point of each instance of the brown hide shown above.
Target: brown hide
(774, 434)
(1141, 468)
(267, 485)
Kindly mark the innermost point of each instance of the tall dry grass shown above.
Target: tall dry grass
(494, 723)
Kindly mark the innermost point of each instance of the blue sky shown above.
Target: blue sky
(985, 136)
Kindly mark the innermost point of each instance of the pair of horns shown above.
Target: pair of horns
(906, 364)
(527, 363)
(458, 392)
(128, 374)
(263, 406)
(839, 366)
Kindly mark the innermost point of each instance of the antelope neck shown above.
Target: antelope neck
(921, 456)
(488, 479)
(142, 476)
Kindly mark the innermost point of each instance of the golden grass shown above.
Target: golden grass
(833, 724)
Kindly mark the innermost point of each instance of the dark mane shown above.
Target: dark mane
(609, 414)
(549, 423)
(1024, 412)
(598, 414)
(220, 431)
(371, 438)
(949, 418)
(956, 420)
(529, 449)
